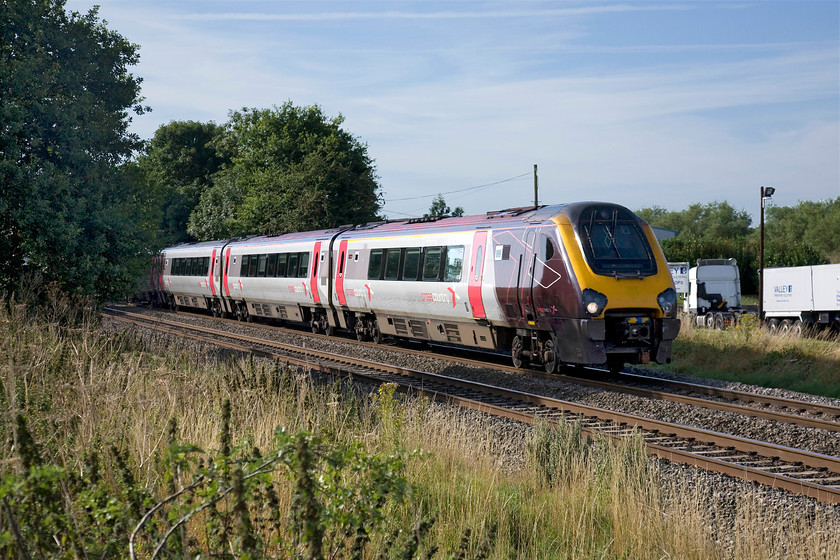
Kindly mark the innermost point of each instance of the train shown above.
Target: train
(583, 283)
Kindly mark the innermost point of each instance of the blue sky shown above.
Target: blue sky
(637, 102)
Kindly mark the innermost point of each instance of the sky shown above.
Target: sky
(639, 102)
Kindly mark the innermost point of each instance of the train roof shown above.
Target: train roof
(509, 216)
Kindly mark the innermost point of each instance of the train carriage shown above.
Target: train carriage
(187, 275)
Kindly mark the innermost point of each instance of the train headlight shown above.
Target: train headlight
(594, 302)
(667, 301)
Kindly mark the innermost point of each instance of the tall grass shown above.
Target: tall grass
(752, 355)
(121, 421)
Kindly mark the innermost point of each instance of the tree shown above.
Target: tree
(65, 97)
(177, 167)
(816, 224)
(440, 208)
(291, 168)
(714, 219)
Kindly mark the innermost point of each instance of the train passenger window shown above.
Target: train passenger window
(411, 266)
(244, 269)
(291, 270)
(431, 263)
(375, 264)
(252, 265)
(207, 266)
(454, 263)
(271, 265)
(282, 259)
(263, 260)
(303, 265)
(392, 264)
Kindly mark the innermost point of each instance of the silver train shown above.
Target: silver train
(582, 283)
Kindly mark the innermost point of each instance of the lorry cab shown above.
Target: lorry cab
(714, 285)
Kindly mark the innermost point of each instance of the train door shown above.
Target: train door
(313, 277)
(339, 272)
(211, 279)
(527, 268)
(476, 274)
(224, 289)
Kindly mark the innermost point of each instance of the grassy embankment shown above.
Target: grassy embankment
(754, 356)
(119, 423)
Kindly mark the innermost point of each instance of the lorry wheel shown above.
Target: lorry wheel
(710, 320)
(797, 329)
(773, 325)
(784, 326)
(720, 322)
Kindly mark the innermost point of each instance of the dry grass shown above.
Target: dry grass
(752, 355)
(84, 387)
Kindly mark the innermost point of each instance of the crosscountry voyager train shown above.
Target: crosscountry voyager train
(583, 283)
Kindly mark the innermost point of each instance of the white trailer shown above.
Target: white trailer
(802, 297)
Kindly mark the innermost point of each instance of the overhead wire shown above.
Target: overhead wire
(475, 188)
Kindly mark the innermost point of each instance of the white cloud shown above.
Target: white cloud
(442, 108)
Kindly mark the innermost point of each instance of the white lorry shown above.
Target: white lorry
(802, 297)
(795, 298)
(714, 294)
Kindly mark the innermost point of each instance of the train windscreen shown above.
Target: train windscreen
(614, 243)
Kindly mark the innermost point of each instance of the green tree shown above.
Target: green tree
(714, 219)
(177, 167)
(816, 224)
(440, 208)
(65, 98)
(291, 168)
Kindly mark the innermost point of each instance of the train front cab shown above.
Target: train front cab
(627, 302)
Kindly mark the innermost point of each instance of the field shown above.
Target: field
(751, 355)
(116, 443)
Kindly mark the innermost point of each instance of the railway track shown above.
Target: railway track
(779, 409)
(795, 470)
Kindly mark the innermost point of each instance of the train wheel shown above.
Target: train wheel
(376, 334)
(328, 330)
(516, 352)
(314, 326)
(549, 364)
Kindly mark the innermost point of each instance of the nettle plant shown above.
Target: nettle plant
(305, 499)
